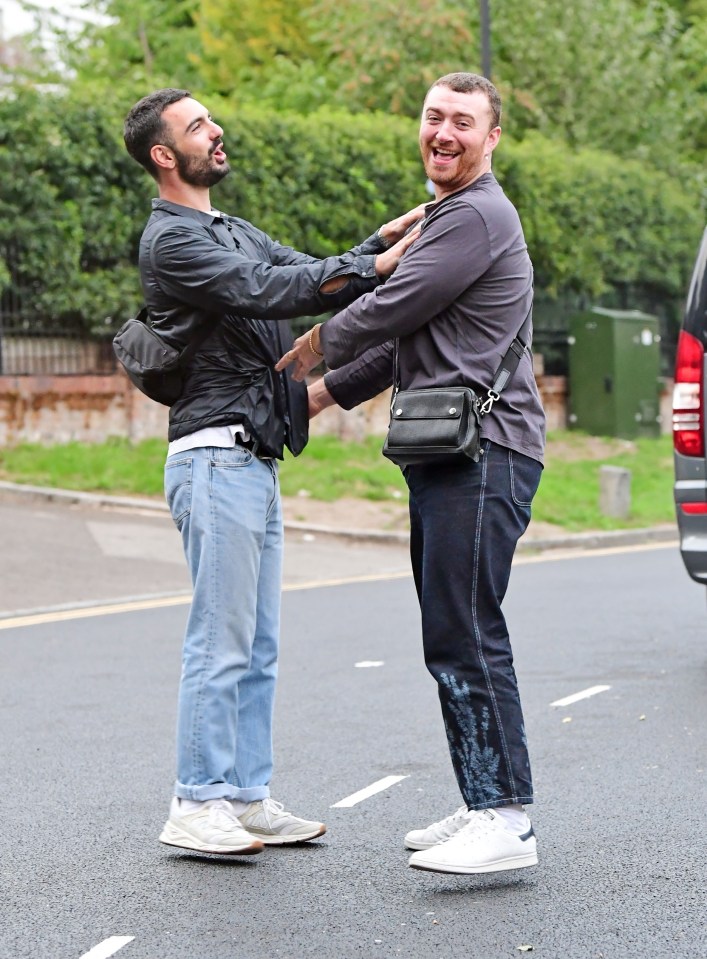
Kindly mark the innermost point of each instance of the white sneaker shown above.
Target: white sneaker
(485, 844)
(213, 827)
(438, 831)
(268, 821)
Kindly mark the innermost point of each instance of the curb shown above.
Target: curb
(599, 539)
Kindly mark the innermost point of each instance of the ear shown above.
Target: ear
(162, 157)
(492, 139)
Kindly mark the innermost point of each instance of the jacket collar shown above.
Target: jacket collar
(206, 219)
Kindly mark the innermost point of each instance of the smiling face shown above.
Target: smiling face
(192, 144)
(457, 138)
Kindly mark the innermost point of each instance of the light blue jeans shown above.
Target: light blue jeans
(226, 505)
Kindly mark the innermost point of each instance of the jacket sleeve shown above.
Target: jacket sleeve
(357, 285)
(191, 267)
(286, 256)
(363, 378)
(451, 253)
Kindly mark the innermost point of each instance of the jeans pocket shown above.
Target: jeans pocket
(525, 478)
(232, 457)
(177, 489)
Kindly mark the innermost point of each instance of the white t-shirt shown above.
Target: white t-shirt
(223, 436)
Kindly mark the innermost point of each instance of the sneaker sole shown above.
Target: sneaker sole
(171, 836)
(270, 840)
(500, 865)
(420, 846)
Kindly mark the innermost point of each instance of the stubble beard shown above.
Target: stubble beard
(467, 169)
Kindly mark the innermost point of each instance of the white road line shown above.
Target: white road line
(369, 663)
(108, 947)
(585, 694)
(369, 791)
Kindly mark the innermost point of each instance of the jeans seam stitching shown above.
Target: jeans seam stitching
(482, 658)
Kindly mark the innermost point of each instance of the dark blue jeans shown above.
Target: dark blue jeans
(465, 523)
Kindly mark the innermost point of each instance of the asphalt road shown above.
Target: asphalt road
(87, 701)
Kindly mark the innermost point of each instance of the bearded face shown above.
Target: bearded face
(199, 170)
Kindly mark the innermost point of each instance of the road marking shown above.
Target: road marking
(578, 552)
(85, 612)
(163, 602)
(347, 580)
(108, 947)
(369, 663)
(369, 791)
(585, 694)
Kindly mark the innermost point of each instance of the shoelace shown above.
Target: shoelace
(221, 814)
(271, 808)
(477, 827)
(448, 821)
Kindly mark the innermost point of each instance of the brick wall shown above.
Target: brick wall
(57, 409)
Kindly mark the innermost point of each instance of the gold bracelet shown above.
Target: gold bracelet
(311, 345)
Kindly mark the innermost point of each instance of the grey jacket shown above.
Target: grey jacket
(456, 301)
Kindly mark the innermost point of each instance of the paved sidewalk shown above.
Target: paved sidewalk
(535, 539)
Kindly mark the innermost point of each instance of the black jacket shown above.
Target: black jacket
(200, 268)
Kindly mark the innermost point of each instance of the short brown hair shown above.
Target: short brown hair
(470, 83)
(144, 126)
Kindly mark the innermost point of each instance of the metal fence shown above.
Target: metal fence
(33, 344)
(30, 347)
(48, 352)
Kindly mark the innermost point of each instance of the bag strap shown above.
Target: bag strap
(204, 331)
(509, 364)
(502, 376)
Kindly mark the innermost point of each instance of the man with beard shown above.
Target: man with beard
(219, 287)
(456, 303)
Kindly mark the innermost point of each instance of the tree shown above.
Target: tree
(133, 46)
(385, 55)
(243, 41)
(364, 56)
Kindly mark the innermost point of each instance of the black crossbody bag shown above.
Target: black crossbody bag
(443, 424)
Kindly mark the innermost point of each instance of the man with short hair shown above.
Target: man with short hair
(455, 304)
(218, 285)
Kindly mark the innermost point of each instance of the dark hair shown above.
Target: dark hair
(470, 83)
(144, 126)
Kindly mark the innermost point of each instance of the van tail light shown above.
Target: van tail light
(688, 397)
(694, 509)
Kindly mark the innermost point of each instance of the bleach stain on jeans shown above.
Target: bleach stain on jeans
(475, 761)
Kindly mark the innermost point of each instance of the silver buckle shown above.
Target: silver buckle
(487, 405)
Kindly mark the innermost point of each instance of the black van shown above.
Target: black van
(690, 424)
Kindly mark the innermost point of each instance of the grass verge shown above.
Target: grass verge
(330, 469)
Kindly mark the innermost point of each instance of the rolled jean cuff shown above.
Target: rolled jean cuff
(221, 791)
(497, 803)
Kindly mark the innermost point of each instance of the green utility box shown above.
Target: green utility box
(614, 369)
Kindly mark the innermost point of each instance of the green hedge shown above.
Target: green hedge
(73, 204)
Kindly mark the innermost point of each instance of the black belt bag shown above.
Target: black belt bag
(155, 367)
(443, 424)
